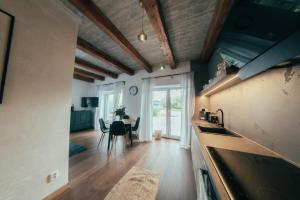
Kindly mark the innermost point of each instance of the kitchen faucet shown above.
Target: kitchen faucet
(221, 124)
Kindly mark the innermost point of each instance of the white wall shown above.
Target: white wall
(35, 114)
(81, 89)
(133, 103)
(266, 109)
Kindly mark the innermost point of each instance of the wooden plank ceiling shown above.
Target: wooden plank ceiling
(179, 36)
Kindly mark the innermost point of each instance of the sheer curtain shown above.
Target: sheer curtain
(118, 90)
(188, 104)
(97, 111)
(146, 111)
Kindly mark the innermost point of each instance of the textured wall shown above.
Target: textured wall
(266, 109)
(34, 116)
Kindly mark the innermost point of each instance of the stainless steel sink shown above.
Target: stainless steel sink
(219, 131)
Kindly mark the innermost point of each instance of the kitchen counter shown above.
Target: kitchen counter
(227, 142)
(233, 144)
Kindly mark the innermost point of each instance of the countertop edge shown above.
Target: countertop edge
(219, 185)
(241, 144)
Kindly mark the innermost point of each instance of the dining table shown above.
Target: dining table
(128, 126)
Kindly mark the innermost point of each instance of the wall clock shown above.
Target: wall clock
(133, 90)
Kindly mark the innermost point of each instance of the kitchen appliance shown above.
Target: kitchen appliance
(207, 114)
(213, 119)
(253, 176)
(205, 188)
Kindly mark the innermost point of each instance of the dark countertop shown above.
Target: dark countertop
(239, 166)
(252, 176)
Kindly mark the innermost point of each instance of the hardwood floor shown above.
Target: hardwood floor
(93, 173)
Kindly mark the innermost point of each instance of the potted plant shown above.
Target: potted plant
(120, 112)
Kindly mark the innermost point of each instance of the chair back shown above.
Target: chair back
(117, 128)
(102, 125)
(137, 123)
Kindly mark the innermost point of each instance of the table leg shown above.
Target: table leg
(130, 135)
(109, 138)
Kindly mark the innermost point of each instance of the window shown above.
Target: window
(109, 104)
(167, 110)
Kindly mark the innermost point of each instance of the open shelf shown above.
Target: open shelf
(226, 79)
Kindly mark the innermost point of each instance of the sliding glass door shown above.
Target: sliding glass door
(159, 111)
(175, 112)
(167, 111)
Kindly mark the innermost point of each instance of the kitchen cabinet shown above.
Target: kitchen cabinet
(81, 120)
(205, 189)
(197, 156)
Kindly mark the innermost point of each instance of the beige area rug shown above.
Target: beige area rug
(137, 184)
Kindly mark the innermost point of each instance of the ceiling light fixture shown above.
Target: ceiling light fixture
(142, 36)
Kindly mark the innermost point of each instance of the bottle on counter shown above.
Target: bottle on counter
(202, 113)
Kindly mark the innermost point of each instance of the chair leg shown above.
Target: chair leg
(113, 141)
(124, 143)
(130, 137)
(101, 138)
(110, 137)
(138, 135)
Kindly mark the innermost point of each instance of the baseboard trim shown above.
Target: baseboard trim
(58, 192)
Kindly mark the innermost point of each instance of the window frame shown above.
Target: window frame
(167, 88)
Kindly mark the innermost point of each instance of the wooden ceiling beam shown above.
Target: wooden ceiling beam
(89, 74)
(93, 51)
(221, 12)
(153, 12)
(91, 11)
(83, 78)
(88, 65)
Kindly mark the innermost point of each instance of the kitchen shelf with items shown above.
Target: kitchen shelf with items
(226, 76)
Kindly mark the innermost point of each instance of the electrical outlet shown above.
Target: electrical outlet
(53, 176)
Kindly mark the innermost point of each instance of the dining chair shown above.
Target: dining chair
(103, 129)
(117, 128)
(136, 127)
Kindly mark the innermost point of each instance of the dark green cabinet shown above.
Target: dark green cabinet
(81, 120)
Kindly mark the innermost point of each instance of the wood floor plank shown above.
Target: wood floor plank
(94, 172)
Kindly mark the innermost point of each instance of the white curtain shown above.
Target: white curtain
(97, 110)
(101, 90)
(117, 89)
(188, 103)
(146, 111)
